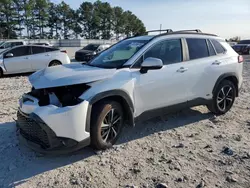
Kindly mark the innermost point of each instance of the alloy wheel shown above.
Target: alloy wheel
(110, 125)
(225, 98)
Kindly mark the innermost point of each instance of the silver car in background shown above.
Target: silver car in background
(30, 58)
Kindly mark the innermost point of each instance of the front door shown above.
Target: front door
(19, 62)
(164, 87)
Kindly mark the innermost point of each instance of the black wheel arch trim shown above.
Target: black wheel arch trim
(106, 94)
(224, 76)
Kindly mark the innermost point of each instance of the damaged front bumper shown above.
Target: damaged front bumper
(52, 129)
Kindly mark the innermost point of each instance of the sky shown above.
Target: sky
(226, 18)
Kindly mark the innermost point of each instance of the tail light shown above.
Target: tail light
(64, 51)
(240, 59)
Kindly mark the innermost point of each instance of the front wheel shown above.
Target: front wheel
(223, 98)
(106, 124)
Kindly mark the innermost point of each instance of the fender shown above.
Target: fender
(111, 93)
(224, 76)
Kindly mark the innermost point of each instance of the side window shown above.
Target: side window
(51, 49)
(210, 48)
(37, 49)
(169, 51)
(7, 45)
(218, 47)
(20, 51)
(197, 48)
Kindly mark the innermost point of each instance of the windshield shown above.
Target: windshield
(244, 42)
(118, 55)
(1, 43)
(91, 47)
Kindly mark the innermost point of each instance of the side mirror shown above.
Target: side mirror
(151, 63)
(9, 55)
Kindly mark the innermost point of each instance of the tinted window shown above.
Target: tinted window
(51, 49)
(37, 49)
(168, 51)
(218, 47)
(20, 51)
(210, 48)
(244, 42)
(16, 44)
(197, 48)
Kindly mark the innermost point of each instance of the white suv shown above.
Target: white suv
(71, 106)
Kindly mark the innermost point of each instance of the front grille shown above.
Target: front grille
(32, 131)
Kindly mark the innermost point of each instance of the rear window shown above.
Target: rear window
(210, 48)
(218, 47)
(197, 48)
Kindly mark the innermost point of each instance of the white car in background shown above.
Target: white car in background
(30, 58)
(10, 44)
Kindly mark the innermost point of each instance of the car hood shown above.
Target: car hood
(68, 74)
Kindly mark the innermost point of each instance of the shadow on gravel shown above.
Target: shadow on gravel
(163, 123)
(18, 163)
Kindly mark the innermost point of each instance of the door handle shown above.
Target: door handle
(216, 63)
(47, 55)
(26, 58)
(182, 69)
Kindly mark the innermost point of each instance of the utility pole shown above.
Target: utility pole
(160, 28)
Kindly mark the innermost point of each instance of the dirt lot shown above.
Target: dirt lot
(191, 148)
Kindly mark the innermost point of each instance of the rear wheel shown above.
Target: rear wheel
(54, 63)
(223, 98)
(106, 124)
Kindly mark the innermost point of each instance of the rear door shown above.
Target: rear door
(202, 59)
(19, 62)
(39, 58)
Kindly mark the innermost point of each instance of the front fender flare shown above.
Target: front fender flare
(111, 93)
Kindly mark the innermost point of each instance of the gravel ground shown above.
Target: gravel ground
(191, 148)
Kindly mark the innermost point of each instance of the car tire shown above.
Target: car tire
(106, 124)
(223, 98)
(54, 63)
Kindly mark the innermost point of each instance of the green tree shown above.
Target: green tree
(40, 12)
(118, 21)
(54, 22)
(7, 14)
(66, 15)
(86, 19)
(103, 13)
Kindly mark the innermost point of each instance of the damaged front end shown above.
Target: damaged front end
(59, 96)
(53, 119)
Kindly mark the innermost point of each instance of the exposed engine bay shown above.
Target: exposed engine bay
(59, 96)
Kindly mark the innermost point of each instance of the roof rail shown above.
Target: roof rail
(160, 30)
(190, 30)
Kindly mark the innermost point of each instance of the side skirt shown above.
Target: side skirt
(147, 115)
